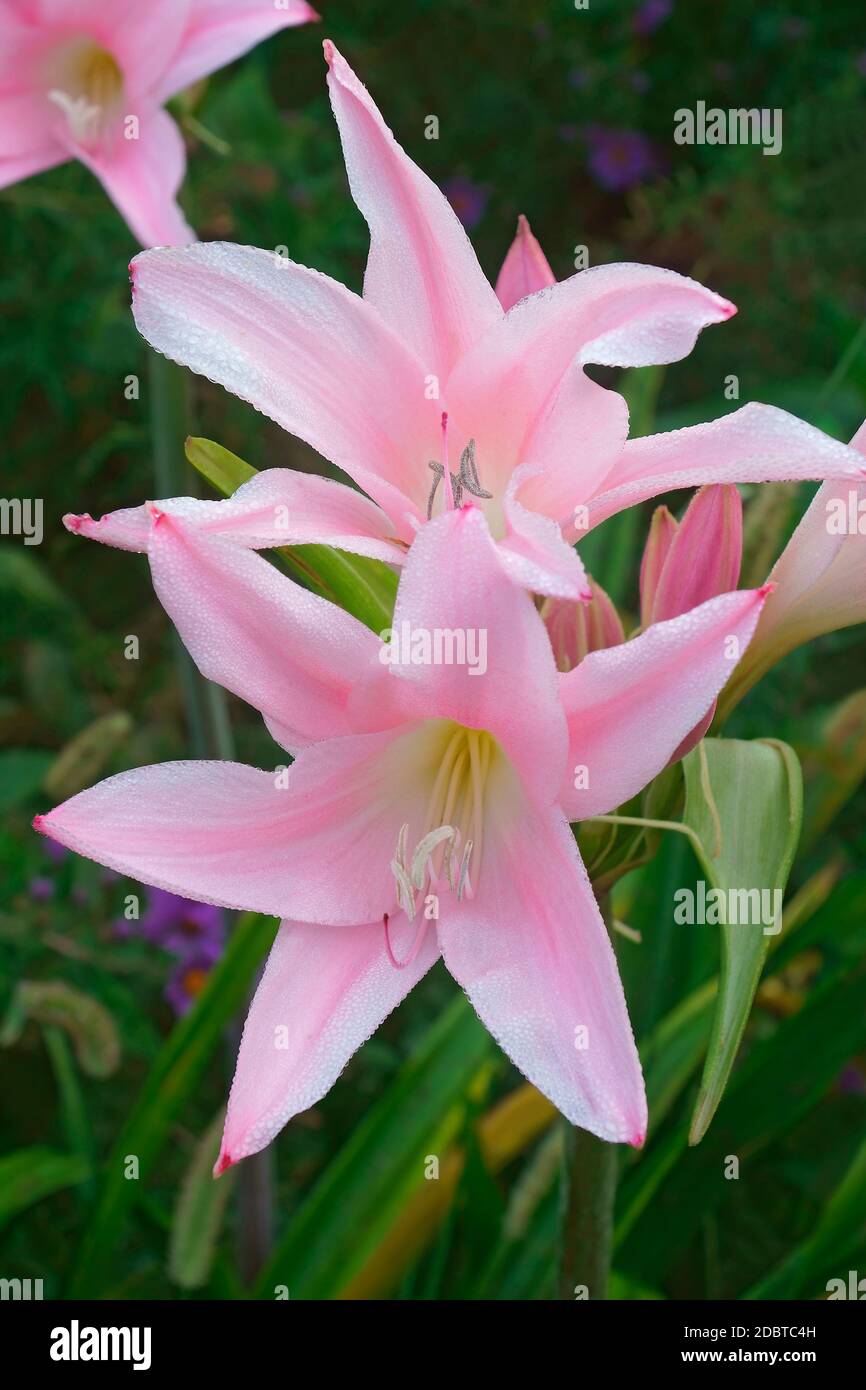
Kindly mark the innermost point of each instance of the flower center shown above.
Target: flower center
(456, 484)
(86, 83)
(451, 847)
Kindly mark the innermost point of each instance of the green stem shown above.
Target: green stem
(588, 1194)
(210, 736)
(589, 1189)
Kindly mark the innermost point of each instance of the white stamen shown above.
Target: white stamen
(425, 848)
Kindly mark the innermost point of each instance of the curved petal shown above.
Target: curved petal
(453, 584)
(422, 274)
(276, 507)
(24, 166)
(142, 177)
(525, 268)
(218, 31)
(247, 626)
(532, 952)
(616, 315)
(314, 841)
(630, 707)
(302, 349)
(534, 553)
(756, 444)
(324, 991)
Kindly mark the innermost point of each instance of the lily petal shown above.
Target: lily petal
(525, 268)
(422, 273)
(142, 177)
(277, 507)
(247, 626)
(616, 315)
(453, 582)
(314, 840)
(303, 350)
(218, 31)
(532, 952)
(630, 707)
(324, 991)
(756, 444)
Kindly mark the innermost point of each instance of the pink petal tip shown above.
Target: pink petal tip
(224, 1161)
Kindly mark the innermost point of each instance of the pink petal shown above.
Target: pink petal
(453, 582)
(532, 952)
(314, 841)
(525, 268)
(221, 30)
(705, 554)
(756, 444)
(142, 177)
(276, 507)
(303, 350)
(325, 990)
(575, 629)
(289, 653)
(422, 274)
(14, 169)
(630, 707)
(663, 528)
(617, 315)
(534, 554)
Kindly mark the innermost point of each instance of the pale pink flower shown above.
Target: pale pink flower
(87, 79)
(428, 369)
(396, 766)
(820, 577)
(525, 268)
(576, 629)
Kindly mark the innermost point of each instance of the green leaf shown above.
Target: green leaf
(28, 1175)
(199, 1212)
(355, 1201)
(363, 587)
(87, 1022)
(838, 1231)
(782, 1078)
(169, 1088)
(745, 803)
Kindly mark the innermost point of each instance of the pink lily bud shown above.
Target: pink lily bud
(577, 628)
(525, 268)
(820, 578)
(686, 563)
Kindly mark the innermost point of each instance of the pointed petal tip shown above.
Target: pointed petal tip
(767, 589)
(638, 1139)
(330, 52)
(224, 1161)
(75, 522)
(523, 227)
(38, 824)
(728, 309)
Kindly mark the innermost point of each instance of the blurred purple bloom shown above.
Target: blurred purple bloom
(189, 978)
(55, 852)
(852, 1081)
(651, 15)
(860, 63)
(41, 888)
(618, 159)
(468, 199)
(640, 81)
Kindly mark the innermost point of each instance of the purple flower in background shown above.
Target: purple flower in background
(189, 976)
(41, 888)
(651, 15)
(468, 199)
(618, 159)
(56, 853)
(193, 932)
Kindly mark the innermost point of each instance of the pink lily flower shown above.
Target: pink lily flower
(428, 368)
(820, 577)
(427, 812)
(87, 79)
